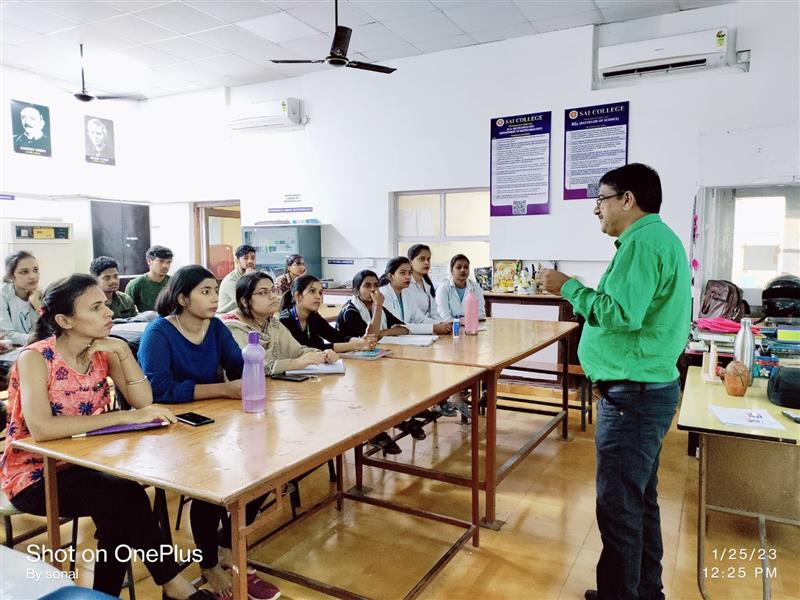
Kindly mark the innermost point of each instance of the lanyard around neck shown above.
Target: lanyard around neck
(299, 325)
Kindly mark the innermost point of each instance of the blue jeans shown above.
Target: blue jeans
(630, 429)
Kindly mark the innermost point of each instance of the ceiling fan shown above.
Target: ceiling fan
(338, 55)
(84, 96)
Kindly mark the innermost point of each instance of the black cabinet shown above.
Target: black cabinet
(121, 231)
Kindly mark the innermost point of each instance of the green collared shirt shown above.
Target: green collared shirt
(637, 321)
(122, 305)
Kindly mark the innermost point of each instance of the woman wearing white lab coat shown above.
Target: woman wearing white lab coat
(452, 293)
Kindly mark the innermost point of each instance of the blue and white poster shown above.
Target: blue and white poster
(520, 165)
(595, 141)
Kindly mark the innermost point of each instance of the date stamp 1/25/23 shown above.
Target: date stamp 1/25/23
(731, 563)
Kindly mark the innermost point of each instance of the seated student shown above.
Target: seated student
(181, 352)
(58, 389)
(144, 289)
(20, 297)
(451, 294)
(295, 266)
(420, 289)
(245, 263)
(258, 301)
(301, 317)
(394, 287)
(364, 313)
(106, 270)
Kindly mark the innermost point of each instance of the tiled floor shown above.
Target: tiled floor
(547, 548)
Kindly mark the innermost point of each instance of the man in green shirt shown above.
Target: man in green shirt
(106, 271)
(144, 289)
(637, 322)
(245, 263)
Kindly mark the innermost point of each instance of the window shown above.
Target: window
(450, 222)
(752, 235)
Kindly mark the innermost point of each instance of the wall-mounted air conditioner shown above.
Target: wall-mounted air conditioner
(261, 115)
(698, 50)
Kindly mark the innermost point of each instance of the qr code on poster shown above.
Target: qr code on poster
(519, 207)
(592, 189)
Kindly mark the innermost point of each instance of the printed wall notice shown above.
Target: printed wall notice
(595, 141)
(520, 165)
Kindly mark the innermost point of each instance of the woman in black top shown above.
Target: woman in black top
(301, 317)
(364, 313)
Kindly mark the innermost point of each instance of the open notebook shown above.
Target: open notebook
(409, 340)
(336, 368)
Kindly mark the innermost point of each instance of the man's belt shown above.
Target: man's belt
(625, 385)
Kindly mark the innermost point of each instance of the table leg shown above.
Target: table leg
(51, 506)
(701, 519)
(239, 549)
(489, 519)
(339, 481)
(475, 448)
(564, 342)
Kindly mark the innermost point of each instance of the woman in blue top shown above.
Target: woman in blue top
(181, 353)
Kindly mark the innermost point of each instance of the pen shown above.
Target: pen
(793, 417)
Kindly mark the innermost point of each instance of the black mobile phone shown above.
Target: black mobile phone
(193, 418)
(285, 377)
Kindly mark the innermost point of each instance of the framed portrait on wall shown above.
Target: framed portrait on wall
(99, 140)
(30, 128)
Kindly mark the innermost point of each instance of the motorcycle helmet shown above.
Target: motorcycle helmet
(781, 296)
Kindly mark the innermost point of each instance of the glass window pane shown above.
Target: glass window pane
(757, 239)
(467, 213)
(418, 215)
(441, 253)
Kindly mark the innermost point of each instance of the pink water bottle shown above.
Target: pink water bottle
(471, 313)
(254, 393)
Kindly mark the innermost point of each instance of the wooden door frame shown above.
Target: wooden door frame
(203, 210)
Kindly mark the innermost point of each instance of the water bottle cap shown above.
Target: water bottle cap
(252, 337)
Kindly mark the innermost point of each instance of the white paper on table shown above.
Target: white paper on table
(336, 368)
(409, 340)
(738, 416)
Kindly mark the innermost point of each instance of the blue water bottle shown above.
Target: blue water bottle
(456, 327)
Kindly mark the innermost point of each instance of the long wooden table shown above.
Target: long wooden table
(504, 342)
(749, 471)
(242, 456)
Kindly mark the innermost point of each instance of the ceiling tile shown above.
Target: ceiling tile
(312, 47)
(187, 71)
(450, 4)
(692, 4)
(302, 69)
(593, 17)
(128, 6)
(229, 38)
(263, 55)
(136, 29)
(92, 39)
(476, 17)
(226, 65)
(423, 27)
(381, 10)
(638, 10)
(385, 54)
(456, 41)
(320, 15)
(288, 4)
(233, 11)
(278, 27)
(30, 17)
(12, 34)
(502, 33)
(258, 76)
(150, 56)
(537, 10)
(373, 37)
(80, 12)
(179, 17)
(184, 47)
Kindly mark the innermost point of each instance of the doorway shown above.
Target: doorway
(220, 227)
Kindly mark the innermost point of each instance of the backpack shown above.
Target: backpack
(723, 299)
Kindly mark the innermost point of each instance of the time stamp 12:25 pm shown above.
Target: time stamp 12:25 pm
(758, 556)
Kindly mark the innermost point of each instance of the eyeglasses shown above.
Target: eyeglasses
(599, 199)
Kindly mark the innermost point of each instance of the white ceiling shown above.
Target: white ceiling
(158, 48)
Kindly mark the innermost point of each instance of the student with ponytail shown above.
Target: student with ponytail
(20, 297)
(58, 388)
(182, 352)
(394, 287)
(420, 290)
(300, 315)
(364, 313)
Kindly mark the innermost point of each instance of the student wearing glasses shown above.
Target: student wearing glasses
(257, 302)
(300, 315)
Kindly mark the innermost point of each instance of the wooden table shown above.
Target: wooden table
(745, 471)
(504, 342)
(330, 311)
(242, 456)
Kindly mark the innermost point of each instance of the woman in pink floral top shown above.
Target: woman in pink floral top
(58, 388)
